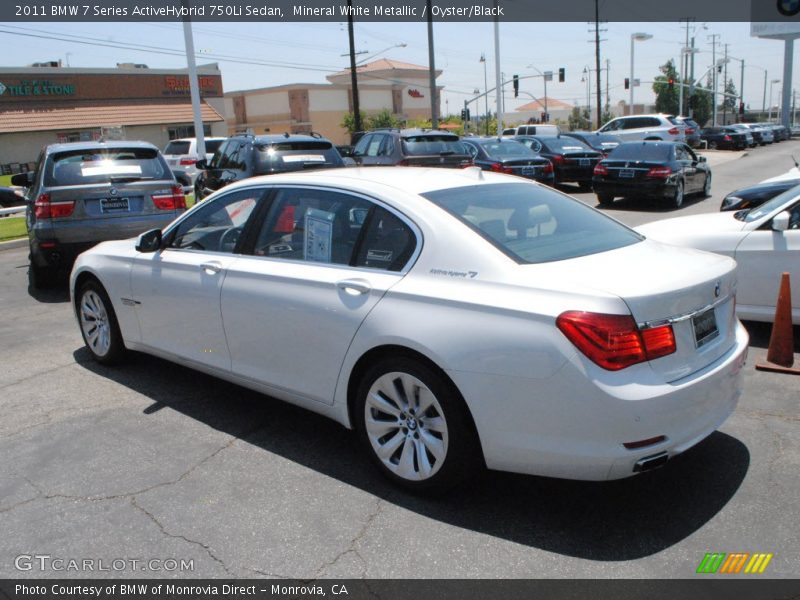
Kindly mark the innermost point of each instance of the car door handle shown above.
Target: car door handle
(354, 287)
(212, 267)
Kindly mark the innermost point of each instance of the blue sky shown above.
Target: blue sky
(314, 50)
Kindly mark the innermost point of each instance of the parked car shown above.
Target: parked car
(750, 139)
(504, 155)
(244, 156)
(11, 196)
(410, 147)
(455, 318)
(543, 129)
(755, 195)
(779, 132)
(761, 136)
(765, 241)
(724, 138)
(573, 161)
(83, 193)
(182, 154)
(692, 131)
(657, 127)
(668, 170)
(602, 142)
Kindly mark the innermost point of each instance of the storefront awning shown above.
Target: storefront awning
(86, 115)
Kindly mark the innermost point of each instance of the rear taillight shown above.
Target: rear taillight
(188, 162)
(674, 131)
(600, 169)
(558, 159)
(175, 200)
(43, 208)
(548, 168)
(499, 168)
(659, 172)
(689, 131)
(726, 137)
(614, 342)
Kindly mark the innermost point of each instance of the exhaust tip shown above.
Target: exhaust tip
(648, 463)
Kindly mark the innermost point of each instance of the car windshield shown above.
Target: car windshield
(420, 145)
(641, 151)
(507, 149)
(531, 223)
(754, 214)
(178, 147)
(103, 165)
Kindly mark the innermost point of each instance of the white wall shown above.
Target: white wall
(266, 104)
(328, 100)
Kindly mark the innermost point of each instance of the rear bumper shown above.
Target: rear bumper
(573, 425)
(575, 174)
(649, 188)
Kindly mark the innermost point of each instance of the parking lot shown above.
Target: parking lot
(154, 462)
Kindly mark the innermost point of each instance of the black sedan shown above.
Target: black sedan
(11, 197)
(572, 160)
(755, 195)
(724, 138)
(668, 170)
(602, 142)
(504, 155)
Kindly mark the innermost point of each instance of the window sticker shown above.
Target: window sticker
(318, 235)
(111, 170)
(293, 158)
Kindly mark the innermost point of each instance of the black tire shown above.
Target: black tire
(713, 145)
(585, 186)
(677, 198)
(605, 199)
(462, 455)
(707, 186)
(91, 291)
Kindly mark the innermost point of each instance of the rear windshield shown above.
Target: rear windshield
(178, 147)
(533, 224)
(508, 149)
(422, 145)
(641, 151)
(213, 145)
(565, 144)
(104, 165)
(296, 154)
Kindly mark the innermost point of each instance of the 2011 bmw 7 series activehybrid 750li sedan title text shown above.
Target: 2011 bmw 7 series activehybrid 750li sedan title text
(455, 319)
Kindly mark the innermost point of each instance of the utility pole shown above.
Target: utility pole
(432, 68)
(725, 89)
(497, 68)
(357, 126)
(691, 76)
(714, 37)
(764, 97)
(597, 57)
(194, 87)
(741, 90)
(684, 66)
(608, 78)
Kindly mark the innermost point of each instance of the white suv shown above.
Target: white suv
(181, 154)
(646, 127)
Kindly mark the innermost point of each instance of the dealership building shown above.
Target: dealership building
(401, 87)
(42, 105)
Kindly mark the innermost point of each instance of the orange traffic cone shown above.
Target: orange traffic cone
(780, 354)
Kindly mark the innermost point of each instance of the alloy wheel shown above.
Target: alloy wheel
(95, 323)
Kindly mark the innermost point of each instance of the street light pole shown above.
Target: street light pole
(771, 83)
(636, 37)
(486, 90)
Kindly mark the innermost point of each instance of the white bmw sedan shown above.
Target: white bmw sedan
(454, 318)
(765, 241)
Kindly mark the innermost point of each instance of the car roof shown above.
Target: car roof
(283, 137)
(67, 146)
(205, 138)
(415, 180)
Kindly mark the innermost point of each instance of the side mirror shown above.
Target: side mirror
(702, 159)
(201, 164)
(780, 222)
(149, 241)
(22, 179)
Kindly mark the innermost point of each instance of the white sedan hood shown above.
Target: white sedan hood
(693, 227)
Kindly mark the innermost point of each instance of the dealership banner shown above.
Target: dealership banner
(398, 10)
(701, 588)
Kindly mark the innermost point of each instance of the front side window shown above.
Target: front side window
(216, 160)
(218, 225)
(533, 224)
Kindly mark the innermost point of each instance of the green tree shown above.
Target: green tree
(579, 119)
(383, 119)
(700, 105)
(666, 97)
(607, 115)
(729, 102)
(349, 122)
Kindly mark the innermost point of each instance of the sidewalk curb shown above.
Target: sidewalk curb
(13, 244)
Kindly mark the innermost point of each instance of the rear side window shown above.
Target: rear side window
(533, 224)
(104, 165)
(422, 145)
(178, 147)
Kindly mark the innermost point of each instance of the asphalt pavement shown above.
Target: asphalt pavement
(154, 462)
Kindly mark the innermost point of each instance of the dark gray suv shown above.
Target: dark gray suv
(87, 192)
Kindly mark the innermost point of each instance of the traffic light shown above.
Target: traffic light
(671, 82)
(516, 86)
(463, 114)
(627, 83)
(561, 75)
(741, 108)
